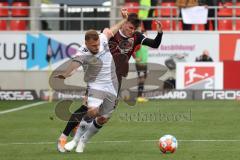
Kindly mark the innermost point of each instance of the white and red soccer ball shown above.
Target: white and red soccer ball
(168, 144)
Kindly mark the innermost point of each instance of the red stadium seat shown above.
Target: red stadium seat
(166, 25)
(226, 11)
(3, 11)
(3, 25)
(154, 25)
(225, 25)
(168, 12)
(238, 10)
(238, 14)
(19, 25)
(238, 25)
(130, 5)
(199, 27)
(180, 25)
(18, 12)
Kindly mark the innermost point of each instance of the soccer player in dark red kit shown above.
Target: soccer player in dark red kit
(124, 42)
(122, 47)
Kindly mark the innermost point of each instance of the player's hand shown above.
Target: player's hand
(124, 13)
(60, 76)
(159, 25)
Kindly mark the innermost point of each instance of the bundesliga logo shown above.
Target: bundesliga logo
(199, 77)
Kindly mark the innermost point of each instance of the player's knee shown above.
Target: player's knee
(92, 112)
(102, 120)
(142, 79)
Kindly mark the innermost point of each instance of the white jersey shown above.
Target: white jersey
(99, 69)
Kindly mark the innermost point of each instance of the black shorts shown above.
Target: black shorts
(141, 70)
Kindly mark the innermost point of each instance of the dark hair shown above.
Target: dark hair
(91, 34)
(133, 19)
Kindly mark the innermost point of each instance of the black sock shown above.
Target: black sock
(88, 119)
(75, 119)
(96, 125)
(140, 89)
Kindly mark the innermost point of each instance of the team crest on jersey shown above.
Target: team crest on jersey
(83, 49)
(126, 45)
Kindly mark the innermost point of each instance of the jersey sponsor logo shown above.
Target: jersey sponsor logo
(126, 45)
(123, 46)
(199, 77)
(17, 95)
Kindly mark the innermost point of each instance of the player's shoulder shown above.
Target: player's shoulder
(83, 50)
(137, 33)
(138, 36)
(103, 40)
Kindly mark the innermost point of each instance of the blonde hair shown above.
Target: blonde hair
(91, 34)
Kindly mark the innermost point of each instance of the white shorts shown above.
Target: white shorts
(94, 102)
(105, 101)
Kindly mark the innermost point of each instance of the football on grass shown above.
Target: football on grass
(168, 144)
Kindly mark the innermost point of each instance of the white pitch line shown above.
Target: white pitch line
(212, 140)
(124, 141)
(22, 107)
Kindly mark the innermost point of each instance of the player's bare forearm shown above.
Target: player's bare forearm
(72, 67)
(114, 29)
(117, 26)
(110, 32)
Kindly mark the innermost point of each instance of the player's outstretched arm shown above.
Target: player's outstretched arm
(69, 71)
(154, 43)
(110, 32)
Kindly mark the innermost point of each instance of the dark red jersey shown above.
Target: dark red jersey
(122, 48)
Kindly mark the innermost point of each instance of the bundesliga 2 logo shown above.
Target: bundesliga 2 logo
(199, 77)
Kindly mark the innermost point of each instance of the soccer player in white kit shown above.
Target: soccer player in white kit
(101, 78)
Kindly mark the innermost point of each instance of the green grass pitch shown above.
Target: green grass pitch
(131, 134)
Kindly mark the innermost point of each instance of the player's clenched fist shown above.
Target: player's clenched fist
(124, 13)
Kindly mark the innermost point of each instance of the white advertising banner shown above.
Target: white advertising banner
(27, 51)
(199, 76)
(184, 47)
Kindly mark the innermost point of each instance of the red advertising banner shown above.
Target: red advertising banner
(229, 47)
(231, 75)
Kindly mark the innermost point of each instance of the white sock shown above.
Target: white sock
(63, 136)
(82, 128)
(92, 130)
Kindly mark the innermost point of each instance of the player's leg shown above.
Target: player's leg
(142, 75)
(72, 123)
(105, 111)
(81, 129)
(92, 130)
